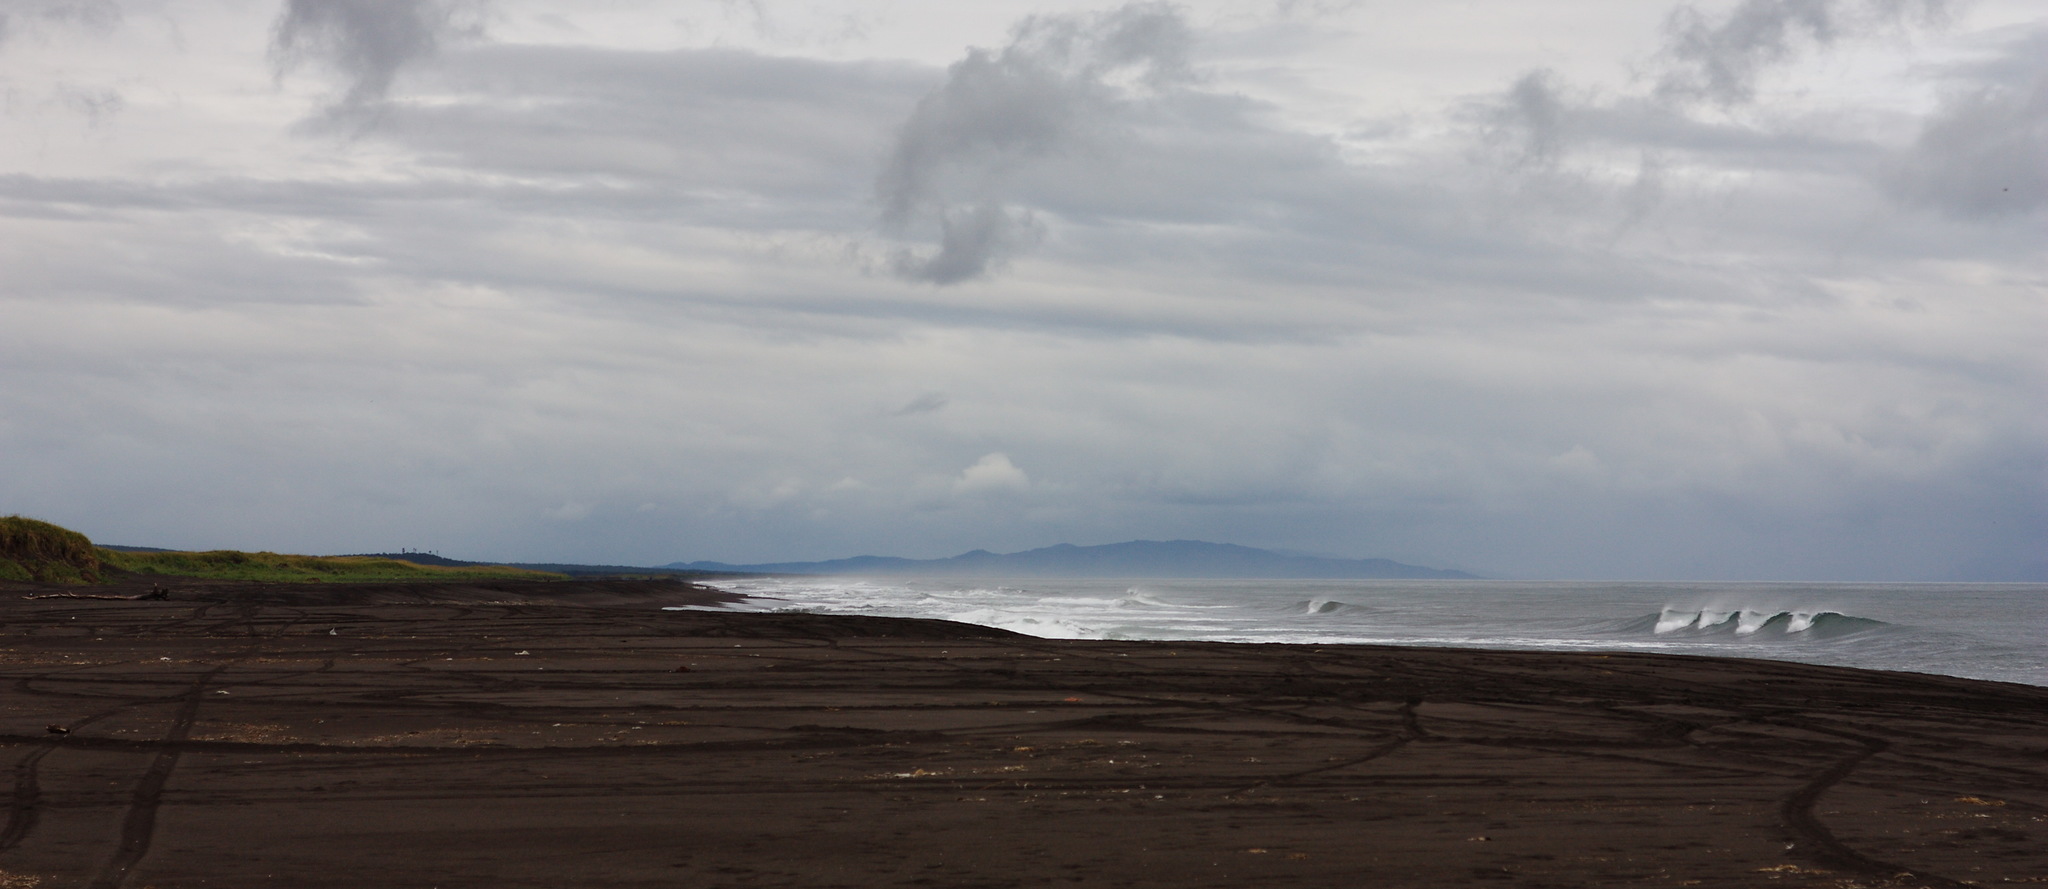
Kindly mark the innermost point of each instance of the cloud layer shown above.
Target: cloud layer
(1754, 293)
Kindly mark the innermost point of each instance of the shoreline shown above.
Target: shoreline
(1978, 631)
(566, 733)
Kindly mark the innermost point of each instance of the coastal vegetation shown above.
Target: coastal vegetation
(235, 565)
(38, 551)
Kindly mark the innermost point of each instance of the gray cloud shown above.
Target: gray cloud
(716, 119)
(972, 239)
(1716, 60)
(28, 15)
(96, 104)
(96, 17)
(1565, 149)
(624, 287)
(1984, 153)
(1531, 116)
(929, 402)
(1719, 59)
(367, 42)
(1061, 82)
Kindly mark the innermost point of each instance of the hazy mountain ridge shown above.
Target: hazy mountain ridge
(1137, 558)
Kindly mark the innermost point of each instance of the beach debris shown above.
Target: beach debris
(1479, 839)
(57, 730)
(522, 652)
(135, 598)
(1980, 801)
(681, 668)
(18, 881)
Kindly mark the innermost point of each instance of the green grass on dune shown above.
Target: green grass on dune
(233, 565)
(45, 553)
(40, 552)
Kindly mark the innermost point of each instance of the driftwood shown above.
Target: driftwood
(156, 593)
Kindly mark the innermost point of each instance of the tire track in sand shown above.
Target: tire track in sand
(140, 824)
(1796, 812)
(25, 806)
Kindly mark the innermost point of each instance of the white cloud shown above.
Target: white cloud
(993, 472)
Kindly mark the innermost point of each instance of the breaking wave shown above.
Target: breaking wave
(1141, 599)
(1762, 623)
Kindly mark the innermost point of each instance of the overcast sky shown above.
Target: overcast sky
(1588, 288)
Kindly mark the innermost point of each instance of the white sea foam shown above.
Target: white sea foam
(1984, 631)
(1673, 619)
(1142, 600)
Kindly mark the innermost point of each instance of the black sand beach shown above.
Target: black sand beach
(573, 734)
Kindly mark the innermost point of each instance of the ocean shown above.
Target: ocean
(1979, 631)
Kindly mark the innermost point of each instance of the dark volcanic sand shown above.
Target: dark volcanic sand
(510, 735)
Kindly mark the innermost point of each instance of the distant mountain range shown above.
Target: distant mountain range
(1137, 558)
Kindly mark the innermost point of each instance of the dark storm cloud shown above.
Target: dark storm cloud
(1060, 83)
(1984, 153)
(366, 41)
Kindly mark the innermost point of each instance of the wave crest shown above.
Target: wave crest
(1813, 623)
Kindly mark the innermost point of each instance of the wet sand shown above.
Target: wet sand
(573, 734)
